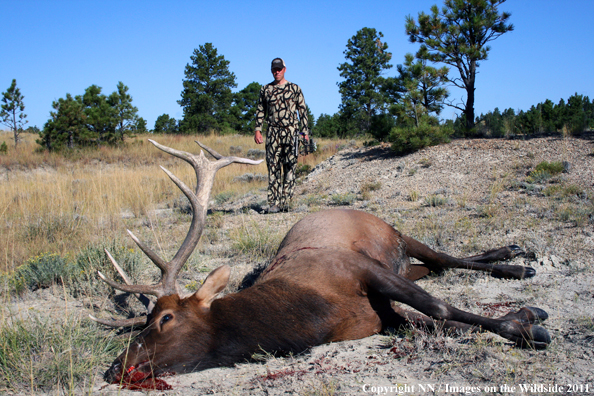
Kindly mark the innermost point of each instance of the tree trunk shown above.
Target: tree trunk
(15, 129)
(469, 109)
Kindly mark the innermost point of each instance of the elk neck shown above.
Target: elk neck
(268, 316)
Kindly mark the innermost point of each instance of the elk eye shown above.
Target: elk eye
(166, 318)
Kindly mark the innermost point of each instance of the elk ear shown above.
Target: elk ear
(214, 283)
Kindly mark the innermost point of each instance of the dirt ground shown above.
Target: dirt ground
(461, 198)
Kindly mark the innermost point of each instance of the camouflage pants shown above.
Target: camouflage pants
(281, 159)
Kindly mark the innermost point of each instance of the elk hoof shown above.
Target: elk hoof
(527, 315)
(513, 272)
(540, 338)
(515, 251)
(539, 315)
(529, 272)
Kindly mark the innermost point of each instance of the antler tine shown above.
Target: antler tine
(138, 321)
(155, 290)
(210, 151)
(224, 161)
(158, 261)
(148, 304)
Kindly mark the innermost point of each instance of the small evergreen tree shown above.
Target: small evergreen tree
(361, 91)
(124, 113)
(91, 119)
(165, 124)
(67, 126)
(140, 125)
(12, 111)
(421, 90)
(100, 115)
(206, 97)
(327, 126)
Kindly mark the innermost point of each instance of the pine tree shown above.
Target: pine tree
(165, 124)
(361, 91)
(67, 127)
(125, 114)
(421, 90)
(100, 115)
(207, 95)
(457, 35)
(12, 113)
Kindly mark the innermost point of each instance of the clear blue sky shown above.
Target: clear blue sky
(58, 47)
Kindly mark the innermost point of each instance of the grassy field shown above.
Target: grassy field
(61, 203)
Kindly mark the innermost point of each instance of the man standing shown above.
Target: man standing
(280, 101)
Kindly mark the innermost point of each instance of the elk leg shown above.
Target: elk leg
(435, 261)
(500, 254)
(421, 321)
(398, 288)
(527, 315)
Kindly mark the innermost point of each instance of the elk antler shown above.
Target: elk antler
(205, 172)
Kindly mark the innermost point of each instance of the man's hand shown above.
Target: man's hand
(258, 137)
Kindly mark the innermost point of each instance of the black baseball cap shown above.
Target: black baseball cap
(278, 63)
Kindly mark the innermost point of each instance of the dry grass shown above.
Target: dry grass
(61, 203)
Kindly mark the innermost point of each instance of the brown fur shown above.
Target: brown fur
(333, 278)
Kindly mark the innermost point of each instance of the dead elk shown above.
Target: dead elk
(333, 278)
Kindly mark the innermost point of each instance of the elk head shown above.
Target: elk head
(176, 336)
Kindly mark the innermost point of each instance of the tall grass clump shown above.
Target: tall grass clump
(60, 355)
(255, 241)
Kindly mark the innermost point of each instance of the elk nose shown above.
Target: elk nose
(114, 374)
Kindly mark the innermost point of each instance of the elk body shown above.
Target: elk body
(335, 277)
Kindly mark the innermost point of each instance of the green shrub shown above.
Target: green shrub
(343, 199)
(3, 148)
(544, 171)
(381, 125)
(41, 272)
(224, 196)
(435, 200)
(567, 191)
(314, 199)
(538, 176)
(580, 216)
(409, 139)
(83, 279)
(302, 170)
(554, 168)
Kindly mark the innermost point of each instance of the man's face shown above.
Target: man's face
(278, 74)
